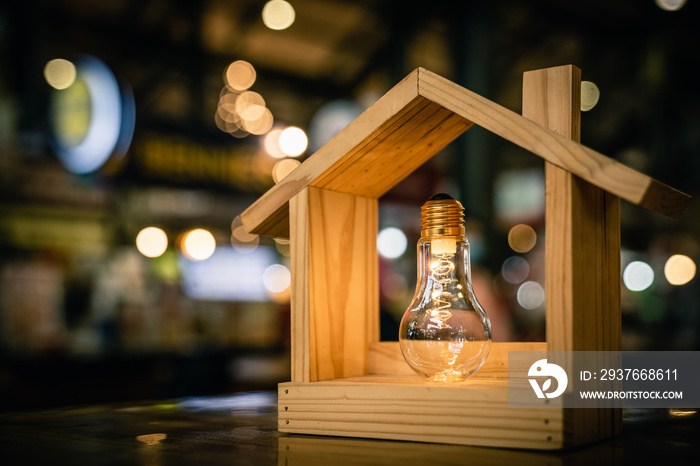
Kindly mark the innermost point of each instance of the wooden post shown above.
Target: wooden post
(335, 284)
(582, 250)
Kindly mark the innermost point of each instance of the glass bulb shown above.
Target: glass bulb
(445, 334)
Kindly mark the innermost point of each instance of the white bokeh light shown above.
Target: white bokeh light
(590, 95)
(670, 5)
(60, 73)
(152, 242)
(293, 141)
(515, 270)
(391, 243)
(277, 278)
(530, 295)
(638, 276)
(278, 14)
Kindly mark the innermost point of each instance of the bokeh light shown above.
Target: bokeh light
(391, 243)
(638, 276)
(198, 244)
(278, 14)
(515, 270)
(329, 120)
(60, 73)
(245, 100)
(522, 238)
(590, 94)
(530, 295)
(283, 246)
(293, 141)
(242, 241)
(670, 5)
(257, 119)
(271, 143)
(277, 278)
(679, 269)
(283, 168)
(152, 242)
(241, 112)
(240, 75)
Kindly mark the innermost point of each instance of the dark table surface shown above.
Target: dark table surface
(241, 429)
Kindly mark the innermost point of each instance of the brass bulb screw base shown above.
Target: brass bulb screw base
(442, 215)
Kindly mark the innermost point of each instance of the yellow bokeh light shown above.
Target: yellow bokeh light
(257, 120)
(240, 75)
(198, 244)
(522, 238)
(60, 73)
(227, 108)
(272, 143)
(248, 99)
(284, 168)
(278, 14)
(293, 141)
(679, 269)
(590, 94)
(152, 242)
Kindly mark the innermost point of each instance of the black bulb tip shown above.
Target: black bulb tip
(440, 197)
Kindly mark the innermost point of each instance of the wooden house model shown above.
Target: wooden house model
(344, 381)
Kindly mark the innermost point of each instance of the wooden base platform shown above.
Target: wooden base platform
(474, 412)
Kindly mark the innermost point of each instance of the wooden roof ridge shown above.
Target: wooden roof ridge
(413, 121)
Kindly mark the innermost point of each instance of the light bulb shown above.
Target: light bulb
(445, 334)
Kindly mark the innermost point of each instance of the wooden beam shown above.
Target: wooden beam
(335, 284)
(415, 120)
(582, 248)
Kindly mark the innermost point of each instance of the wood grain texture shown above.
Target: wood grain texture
(415, 120)
(335, 286)
(385, 358)
(300, 450)
(555, 148)
(410, 408)
(582, 250)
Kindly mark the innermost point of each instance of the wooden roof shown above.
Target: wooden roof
(415, 120)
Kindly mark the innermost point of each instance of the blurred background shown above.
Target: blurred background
(133, 134)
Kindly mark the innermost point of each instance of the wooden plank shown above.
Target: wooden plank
(305, 451)
(335, 296)
(385, 358)
(379, 167)
(299, 303)
(409, 408)
(582, 251)
(557, 149)
(385, 128)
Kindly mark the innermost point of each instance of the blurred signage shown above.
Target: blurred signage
(183, 161)
(227, 275)
(91, 121)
